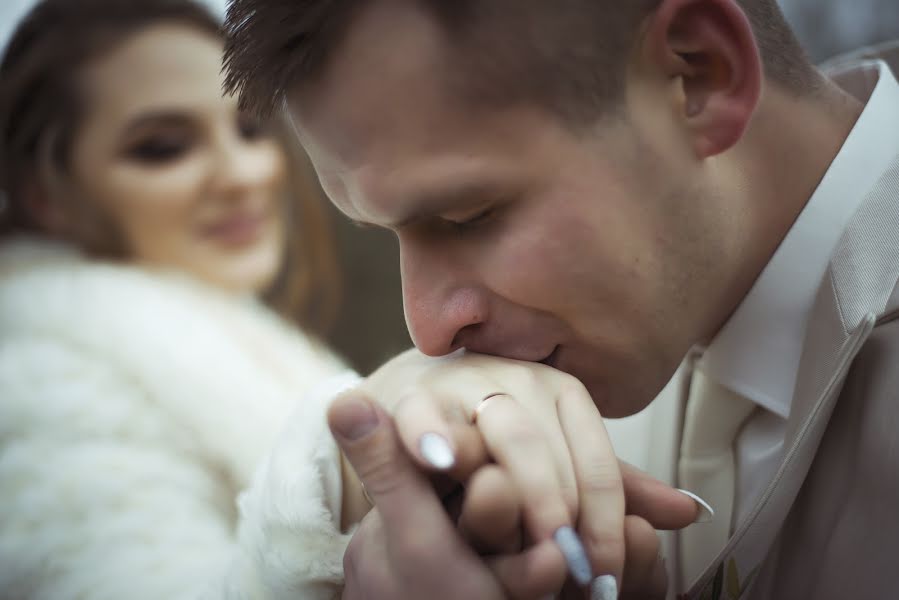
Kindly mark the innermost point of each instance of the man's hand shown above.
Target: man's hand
(408, 548)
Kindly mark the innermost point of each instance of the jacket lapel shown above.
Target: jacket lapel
(855, 292)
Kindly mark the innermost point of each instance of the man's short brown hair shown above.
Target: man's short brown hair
(565, 55)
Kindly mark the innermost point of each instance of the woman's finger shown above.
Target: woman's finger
(662, 505)
(435, 433)
(520, 446)
(600, 487)
(425, 431)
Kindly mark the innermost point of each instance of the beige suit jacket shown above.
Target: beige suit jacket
(827, 527)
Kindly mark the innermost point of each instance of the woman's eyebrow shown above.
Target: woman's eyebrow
(165, 117)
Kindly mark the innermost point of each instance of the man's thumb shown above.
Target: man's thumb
(352, 418)
(371, 444)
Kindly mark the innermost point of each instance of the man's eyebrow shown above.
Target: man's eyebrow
(454, 197)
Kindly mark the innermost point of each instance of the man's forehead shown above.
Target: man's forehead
(385, 77)
(388, 133)
(385, 175)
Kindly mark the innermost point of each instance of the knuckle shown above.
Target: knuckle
(402, 403)
(525, 374)
(410, 397)
(522, 434)
(547, 507)
(570, 385)
(380, 473)
(605, 547)
(601, 477)
(531, 376)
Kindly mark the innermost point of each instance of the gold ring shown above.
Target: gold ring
(482, 404)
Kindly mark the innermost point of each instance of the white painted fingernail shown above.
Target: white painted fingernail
(575, 555)
(436, 450)
(604, 587)
(706, 512)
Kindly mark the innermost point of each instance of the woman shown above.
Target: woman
(142, 377)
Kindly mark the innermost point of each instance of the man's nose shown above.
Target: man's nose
(439, 305)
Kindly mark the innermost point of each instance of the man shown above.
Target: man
(608, 187)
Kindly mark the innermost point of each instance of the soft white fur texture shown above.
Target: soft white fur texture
(135, 407)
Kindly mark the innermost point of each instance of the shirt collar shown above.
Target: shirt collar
(757, 352)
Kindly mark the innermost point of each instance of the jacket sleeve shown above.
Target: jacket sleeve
(100, 502)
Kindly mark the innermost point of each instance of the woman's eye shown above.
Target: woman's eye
(159, 149)
(250, 128)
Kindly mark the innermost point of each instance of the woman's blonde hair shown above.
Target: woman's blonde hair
(41, 110)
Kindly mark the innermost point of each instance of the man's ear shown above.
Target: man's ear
(709, 47)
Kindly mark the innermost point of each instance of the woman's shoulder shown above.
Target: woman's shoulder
(135, 340)
(49, 289)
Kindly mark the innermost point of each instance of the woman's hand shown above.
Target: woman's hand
(543, 430)
(491, 522)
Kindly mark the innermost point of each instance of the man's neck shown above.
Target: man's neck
(785, 153)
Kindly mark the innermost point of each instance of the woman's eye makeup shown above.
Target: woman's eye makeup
(250, 128)
(159, 148)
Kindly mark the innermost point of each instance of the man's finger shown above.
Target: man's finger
(538, 572)
(471, 452)
(404, 497)
(644, 571)
(491, 512)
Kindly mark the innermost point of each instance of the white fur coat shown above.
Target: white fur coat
(135, 408)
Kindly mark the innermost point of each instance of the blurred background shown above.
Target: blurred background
(370, 327)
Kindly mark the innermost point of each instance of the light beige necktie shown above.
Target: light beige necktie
(714, 417)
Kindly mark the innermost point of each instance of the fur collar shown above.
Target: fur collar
(226, 369)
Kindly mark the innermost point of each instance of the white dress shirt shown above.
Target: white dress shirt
(757, 352)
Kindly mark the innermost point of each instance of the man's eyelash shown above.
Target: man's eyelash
(478, 219)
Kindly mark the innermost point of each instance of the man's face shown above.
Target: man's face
(518, 237)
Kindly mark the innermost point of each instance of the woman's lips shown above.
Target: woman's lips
(235, 230)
